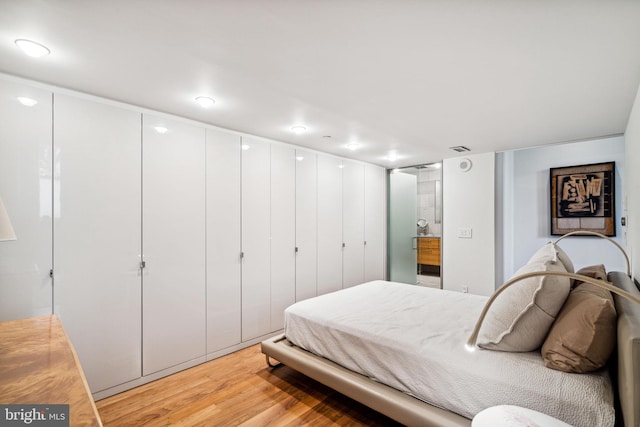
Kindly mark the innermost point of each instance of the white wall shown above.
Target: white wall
(524, 203)
(632, 137)
(469, 202)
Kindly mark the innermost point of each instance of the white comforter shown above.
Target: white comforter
(412, 338)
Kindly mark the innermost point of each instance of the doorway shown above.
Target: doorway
(415, 225)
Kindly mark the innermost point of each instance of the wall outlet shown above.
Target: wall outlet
(465, 289)
(464, 232)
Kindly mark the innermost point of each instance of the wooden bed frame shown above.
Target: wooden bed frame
(625, 371)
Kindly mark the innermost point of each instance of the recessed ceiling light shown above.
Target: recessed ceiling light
(353, 146)
(299, 158)
(161, 129)
(29, 102)
(245, 147)
(33, 49)
(392, 156)
(298, 129)
(205, 101)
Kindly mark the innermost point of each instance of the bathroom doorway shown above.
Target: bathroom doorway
(415, 225)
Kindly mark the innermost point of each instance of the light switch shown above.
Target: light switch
(464, 232)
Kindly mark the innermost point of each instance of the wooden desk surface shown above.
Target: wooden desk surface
(38, 365)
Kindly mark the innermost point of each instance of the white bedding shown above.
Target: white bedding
(412, 338)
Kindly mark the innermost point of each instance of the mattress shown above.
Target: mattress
(412, 338)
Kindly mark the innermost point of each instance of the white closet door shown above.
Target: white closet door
(25, 189)
(329, 224)
(256, 222)
(283, 237)
(97, 236)
(375, 196)
(353, 223)
(306, 224)
(223, 240)
(174, 238)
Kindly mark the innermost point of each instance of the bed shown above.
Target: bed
(343, 349)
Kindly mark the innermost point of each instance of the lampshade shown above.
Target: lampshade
(6, 229)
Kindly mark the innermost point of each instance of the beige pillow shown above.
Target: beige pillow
(564, 259)
(546, 253)
(584, 334)
(594, 271)
(553, 252)
(521, 316)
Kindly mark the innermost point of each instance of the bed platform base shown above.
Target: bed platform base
(396, 405)
(414, 412)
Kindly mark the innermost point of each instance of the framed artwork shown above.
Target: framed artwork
(583, 198)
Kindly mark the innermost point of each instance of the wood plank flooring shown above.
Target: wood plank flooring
(236, 390)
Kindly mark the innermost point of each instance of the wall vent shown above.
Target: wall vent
(459, 148)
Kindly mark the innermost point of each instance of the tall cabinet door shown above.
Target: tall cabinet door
(306, 224)
(256, 224)
(97, 236)
(25, 189)
(353, 223)
(375, 192)
(283, 237)
(329, 224)
(174, 238)
(223, 240)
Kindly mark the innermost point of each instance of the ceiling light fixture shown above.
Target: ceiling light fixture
(245, 147)
(353, 146)
(299, 158)
(205, 101)
(29, 102)
(298, 129)
(161, 129)
(392, 156)
(32, 49)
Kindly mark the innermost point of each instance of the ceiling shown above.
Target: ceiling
(414, 77)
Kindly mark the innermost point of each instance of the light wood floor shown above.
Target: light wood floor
(233, 390)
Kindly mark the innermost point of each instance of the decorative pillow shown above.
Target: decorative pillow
(521, 316)
(546, 253)
(564, 259)
(584, 334)
(553, 252)
(594, 271)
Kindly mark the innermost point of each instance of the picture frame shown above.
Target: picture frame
(583, 198)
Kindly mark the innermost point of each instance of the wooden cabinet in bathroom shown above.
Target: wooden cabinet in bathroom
(429, 250)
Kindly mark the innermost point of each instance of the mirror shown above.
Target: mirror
(423, 227)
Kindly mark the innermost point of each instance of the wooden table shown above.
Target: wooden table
(38, 365)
